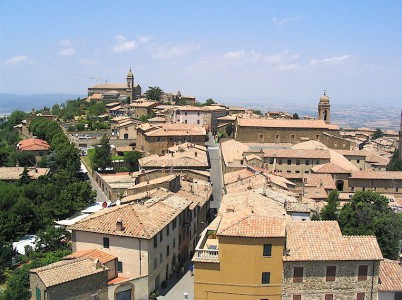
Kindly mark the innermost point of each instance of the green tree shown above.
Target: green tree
(395, 163)
(209, 101)
(102, 157)
(229, 129)
(56, 110)
(331, 210)
(24, 158)
(131, 160)
(154, 93)
(257, 112)
(25, 178)
(52, 239)
(368, 213)
(7, 252)
(295, 116)
(378, 134)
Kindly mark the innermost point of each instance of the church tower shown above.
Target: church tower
(130, 85)
(324, 109)
(400, 138)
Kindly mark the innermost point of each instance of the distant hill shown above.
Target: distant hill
(12, 102)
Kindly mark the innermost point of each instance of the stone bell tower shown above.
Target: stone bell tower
(400, 138)
(324, 109)
(130, 85)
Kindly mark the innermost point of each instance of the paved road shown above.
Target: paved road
(100, 196)
(176, 292)
(216, 172)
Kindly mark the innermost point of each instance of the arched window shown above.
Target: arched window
(125, 291)
(339, 185)
(325, 115)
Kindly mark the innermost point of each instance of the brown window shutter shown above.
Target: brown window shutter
(360, 296)
(298, 274)
(329, 297)
(363, 272)
(331, 272)
(296, 297)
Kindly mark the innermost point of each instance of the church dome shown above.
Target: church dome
(324, 98)
(130, 74)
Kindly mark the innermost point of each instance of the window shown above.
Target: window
(179, 238)
(158, 139)
(297, 161)
(185, 114)
(317, 162)
(185, 121)
(298, 274)
(198, 114)
(160, 258)
(105, 242)
(362, 272)
(266, 277)
(198, 121)
(38, 294)
(155, 262)
(174, 223)
(167, 229)
(267, 250)
(119, 267)
(360, 296)
(155, 241)
(277, 137)
(280, 161)
(296, 297)
(297, 172)
(167, 251)
(329, 297)
(331, 271)
(289, 162)
(358, 160)
(307, 162)
(174, 242)
(161, 236)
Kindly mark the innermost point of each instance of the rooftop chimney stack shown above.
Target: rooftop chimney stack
(119, 225)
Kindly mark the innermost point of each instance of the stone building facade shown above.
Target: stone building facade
(315, 284)
(129, 89)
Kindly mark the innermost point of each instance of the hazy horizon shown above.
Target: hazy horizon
(230, 51)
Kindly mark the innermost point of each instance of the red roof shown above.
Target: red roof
(33, 145)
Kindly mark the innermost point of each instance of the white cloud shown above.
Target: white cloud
(243, 57)
(67, 52)
(334, 60)
(89, 61)
(17, 60)
(169, 51)
(66, 43)
(283, 21)
(123, 44)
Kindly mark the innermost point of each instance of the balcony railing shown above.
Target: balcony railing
(207, 249)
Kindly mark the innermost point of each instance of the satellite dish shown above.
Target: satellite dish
(118, 202)
(104, 204)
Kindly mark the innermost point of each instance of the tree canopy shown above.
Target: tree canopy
(131, 160)
(378, 134)
(295, 116)
(154, 93)
(395, 163)
(368, 213)
(102, 157)
(331, 210)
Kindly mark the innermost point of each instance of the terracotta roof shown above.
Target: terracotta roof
(232, 150)
(390, 276)
(111, 86)
(139, 220)
(323, 241)
(236, 176)
(297, 153)
(68, 270)
(33, 145)
(320, 180)
(14, 173)
(177, 130)
(329, 168)
(251, 225)
(281, 123)
(361, 153)
(387, 175)
(92, 253)
(143, 104)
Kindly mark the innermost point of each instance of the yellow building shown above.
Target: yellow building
(239, 256)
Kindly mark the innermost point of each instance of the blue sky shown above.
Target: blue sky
(260, 51)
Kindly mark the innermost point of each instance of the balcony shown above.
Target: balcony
(207, 249)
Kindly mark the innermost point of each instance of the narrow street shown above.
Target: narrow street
(216, 171)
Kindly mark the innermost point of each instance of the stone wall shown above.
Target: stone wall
(81, 289)
(138, 286)
(345, 287)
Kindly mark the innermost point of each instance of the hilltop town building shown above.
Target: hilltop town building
(130, 89)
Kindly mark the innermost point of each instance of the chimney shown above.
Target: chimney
(147, 180)
(300, 198)
(119, 225)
